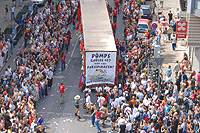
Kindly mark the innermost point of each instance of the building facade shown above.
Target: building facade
(193, 18)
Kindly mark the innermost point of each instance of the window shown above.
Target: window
(197, 4)
(146, 11)
(8, 31)
(14, 31)
(145, 26)
(30, 8)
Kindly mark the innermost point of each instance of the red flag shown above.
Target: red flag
(79, 12)
(80, 29)
(146, 118)
(81, 82)
(77, 27)
(81, 46)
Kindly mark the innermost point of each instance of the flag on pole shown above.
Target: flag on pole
(78, 25)
(79, 12)
(81, 82)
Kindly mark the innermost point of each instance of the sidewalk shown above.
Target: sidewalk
(3, 22)
(166, 48)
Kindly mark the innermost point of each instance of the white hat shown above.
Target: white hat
(115, 87)
(120, 85)
(77, 97)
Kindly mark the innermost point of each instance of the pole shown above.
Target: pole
(159, 77)
(148, 67)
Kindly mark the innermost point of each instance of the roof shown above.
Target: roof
(28, 3)
(11, 25)
(97, 29)
(143, 21)
(194, 31)
(145, 6)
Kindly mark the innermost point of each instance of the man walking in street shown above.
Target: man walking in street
(62, 90)
(117, 5)
(170, 16)
(12, 12)
(11, 44)
(20, 3)
(114, 27)
(77, 105)
(6, 12)
(174, 41)
(26, 34)
(169, 73)
(62, 57)
(115, 15)
(177, 68)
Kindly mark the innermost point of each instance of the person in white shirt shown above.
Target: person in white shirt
(144, 82)
(12, 12)
(146, 101)
(100, 100)
(106, 88)
(98, 90)
(117, 101)
(121, 98)
(131, 116)
(174, 41)
(177, 68)
(120, 120)
(88, 102)
(127, 110)
(129, 125)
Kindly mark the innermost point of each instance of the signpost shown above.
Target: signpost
(181, 29)
(159, 62)
(154, 25)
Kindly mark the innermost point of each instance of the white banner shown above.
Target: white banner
(100, 68)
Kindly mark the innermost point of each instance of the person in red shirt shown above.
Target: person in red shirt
(119, 64)
(117, 5)
(97, 120)
(74, 23)
(62, 90)
(115, 15)
(114, 27)
(120, 71)
(117, 45)
(62, 57)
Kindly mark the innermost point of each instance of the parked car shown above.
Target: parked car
(39, 2)
(15, 30)
(147, 12)
(30, 8)
(143, 26)
(20, 17)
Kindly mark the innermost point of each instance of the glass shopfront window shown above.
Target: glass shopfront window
(197, 4)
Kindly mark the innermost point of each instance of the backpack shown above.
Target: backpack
(2, 54)
(113, 117)
(138, 118)
(168, 122)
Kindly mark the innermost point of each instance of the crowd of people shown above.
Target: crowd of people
(47, 34)
(138, 103)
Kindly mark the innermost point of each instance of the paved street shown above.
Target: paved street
(3, 21)
(166, 48)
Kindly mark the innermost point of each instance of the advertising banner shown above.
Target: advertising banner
(181, 29)
(100, 68)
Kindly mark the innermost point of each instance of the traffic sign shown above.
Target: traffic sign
(154, 25)
(159, 61)
(181, 29)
